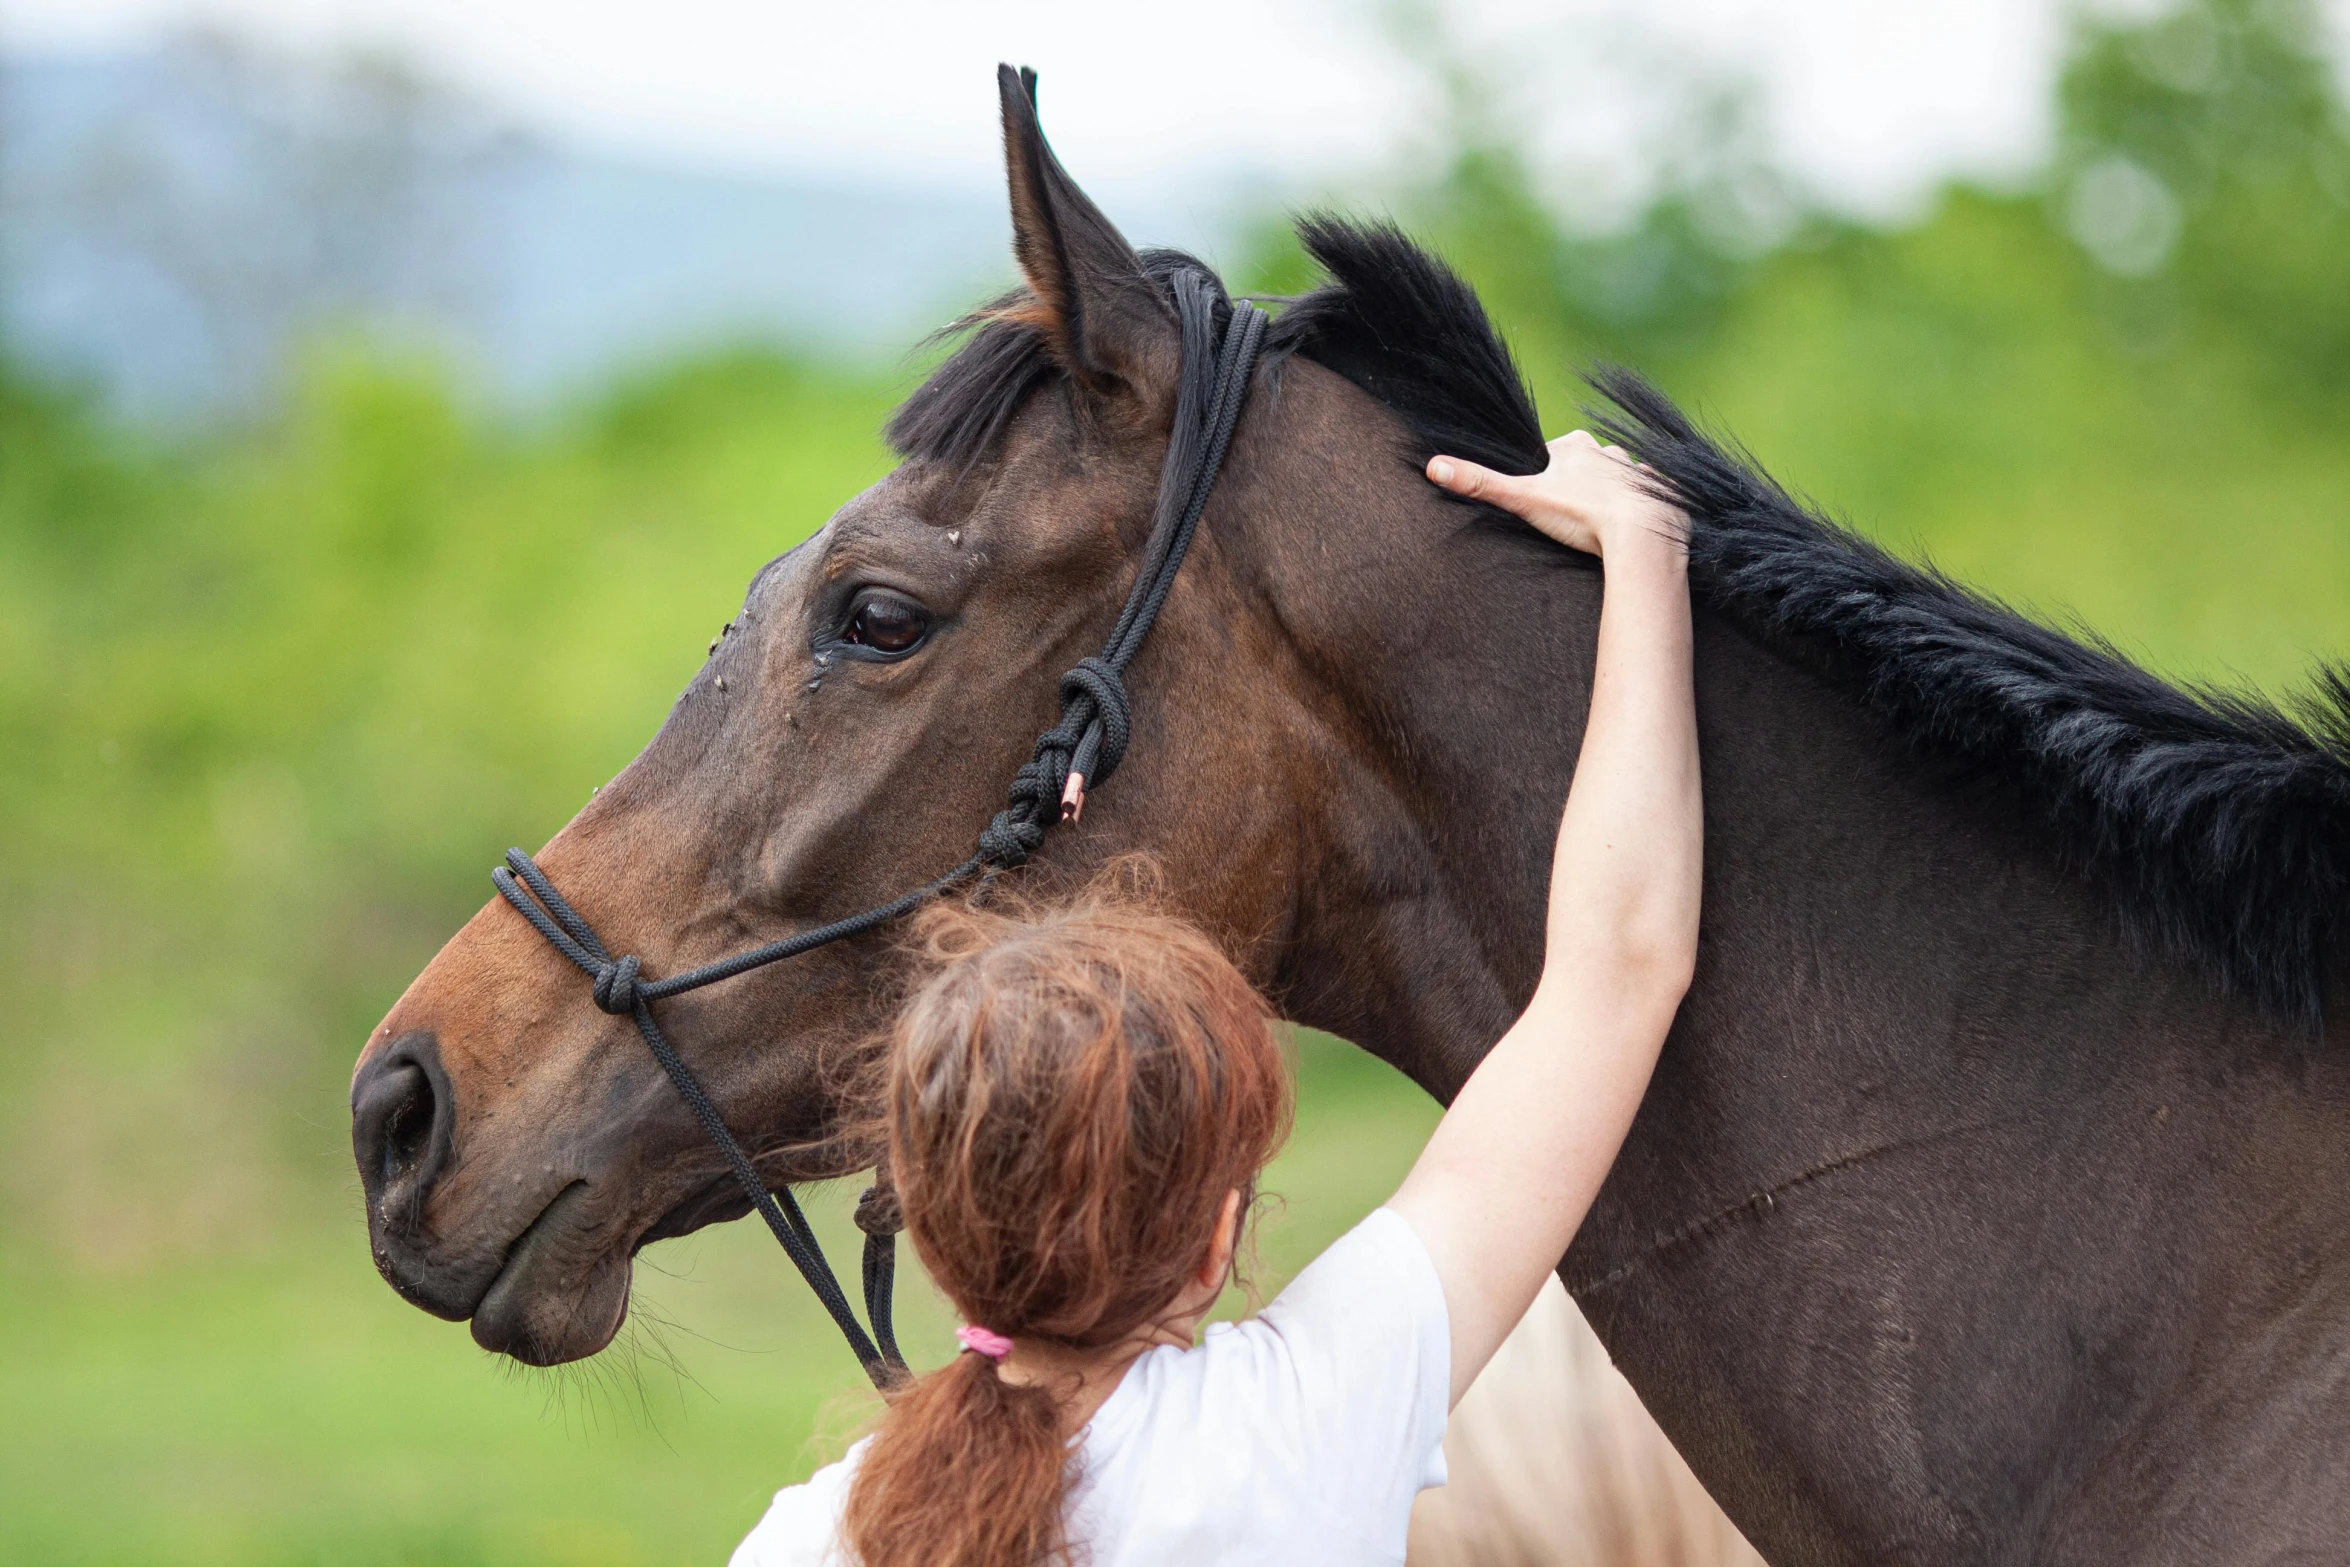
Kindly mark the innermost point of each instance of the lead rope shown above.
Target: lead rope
(1077, 754)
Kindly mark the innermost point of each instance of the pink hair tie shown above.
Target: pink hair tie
(981, 1342)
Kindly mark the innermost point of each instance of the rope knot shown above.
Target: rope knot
(878, 1212)
(1102, 734)
(1010, 839)
(1017, 831)
(616, 986)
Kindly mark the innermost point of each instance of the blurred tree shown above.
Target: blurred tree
(1640, 274)
(2204, 164)
(225, 199)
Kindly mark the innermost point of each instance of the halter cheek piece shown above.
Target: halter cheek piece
(1078, 753)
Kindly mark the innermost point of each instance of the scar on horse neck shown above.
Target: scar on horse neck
(1759, 1205)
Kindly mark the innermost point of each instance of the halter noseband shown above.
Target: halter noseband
(1078, 753)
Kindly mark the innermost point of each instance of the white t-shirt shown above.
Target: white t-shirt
(1301, 1435)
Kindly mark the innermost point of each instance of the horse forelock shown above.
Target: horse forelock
(955, 416)
(1391, 318)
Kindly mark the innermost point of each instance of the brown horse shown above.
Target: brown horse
(1990, 1200)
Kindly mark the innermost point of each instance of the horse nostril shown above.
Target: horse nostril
(400, 1131)
(408, 1129)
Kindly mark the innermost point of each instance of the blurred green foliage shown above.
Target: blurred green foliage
(271, 703)
(2121, 391)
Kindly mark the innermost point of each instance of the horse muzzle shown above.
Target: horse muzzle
(549, 1290)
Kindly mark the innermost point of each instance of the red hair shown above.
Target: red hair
(1069, 1095)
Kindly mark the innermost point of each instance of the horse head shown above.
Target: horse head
(851, 736)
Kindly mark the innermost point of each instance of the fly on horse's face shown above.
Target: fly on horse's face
(851, 734)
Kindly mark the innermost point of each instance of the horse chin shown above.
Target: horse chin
(563, 1291)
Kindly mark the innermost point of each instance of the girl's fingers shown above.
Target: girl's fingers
(1468, 478)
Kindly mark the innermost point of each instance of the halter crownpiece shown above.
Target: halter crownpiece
(1077, 754)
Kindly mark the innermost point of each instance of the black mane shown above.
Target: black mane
(2219, 823)
(1403, 326)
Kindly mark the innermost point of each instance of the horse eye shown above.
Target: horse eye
(887, 624)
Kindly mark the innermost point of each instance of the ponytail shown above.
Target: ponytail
(1068, 1097)
(969, 1469)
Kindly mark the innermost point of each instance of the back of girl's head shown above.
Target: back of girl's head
(1069, 1094)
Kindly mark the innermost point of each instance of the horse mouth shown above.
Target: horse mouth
(562, 1292)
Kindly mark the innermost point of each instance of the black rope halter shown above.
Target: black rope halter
(1077, 753)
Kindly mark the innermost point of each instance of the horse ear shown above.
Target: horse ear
(1091, 297)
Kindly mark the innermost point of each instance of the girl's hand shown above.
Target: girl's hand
(1590, 498)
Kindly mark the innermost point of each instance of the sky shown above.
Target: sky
(1869, 101)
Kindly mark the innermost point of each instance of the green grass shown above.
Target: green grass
(287, 1408)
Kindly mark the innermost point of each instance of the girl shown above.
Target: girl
(1078, 1104)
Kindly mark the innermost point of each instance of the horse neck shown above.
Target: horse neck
(1943, 1195)
(1446, 667)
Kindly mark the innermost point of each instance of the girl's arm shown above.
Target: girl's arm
(1510, 1171)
